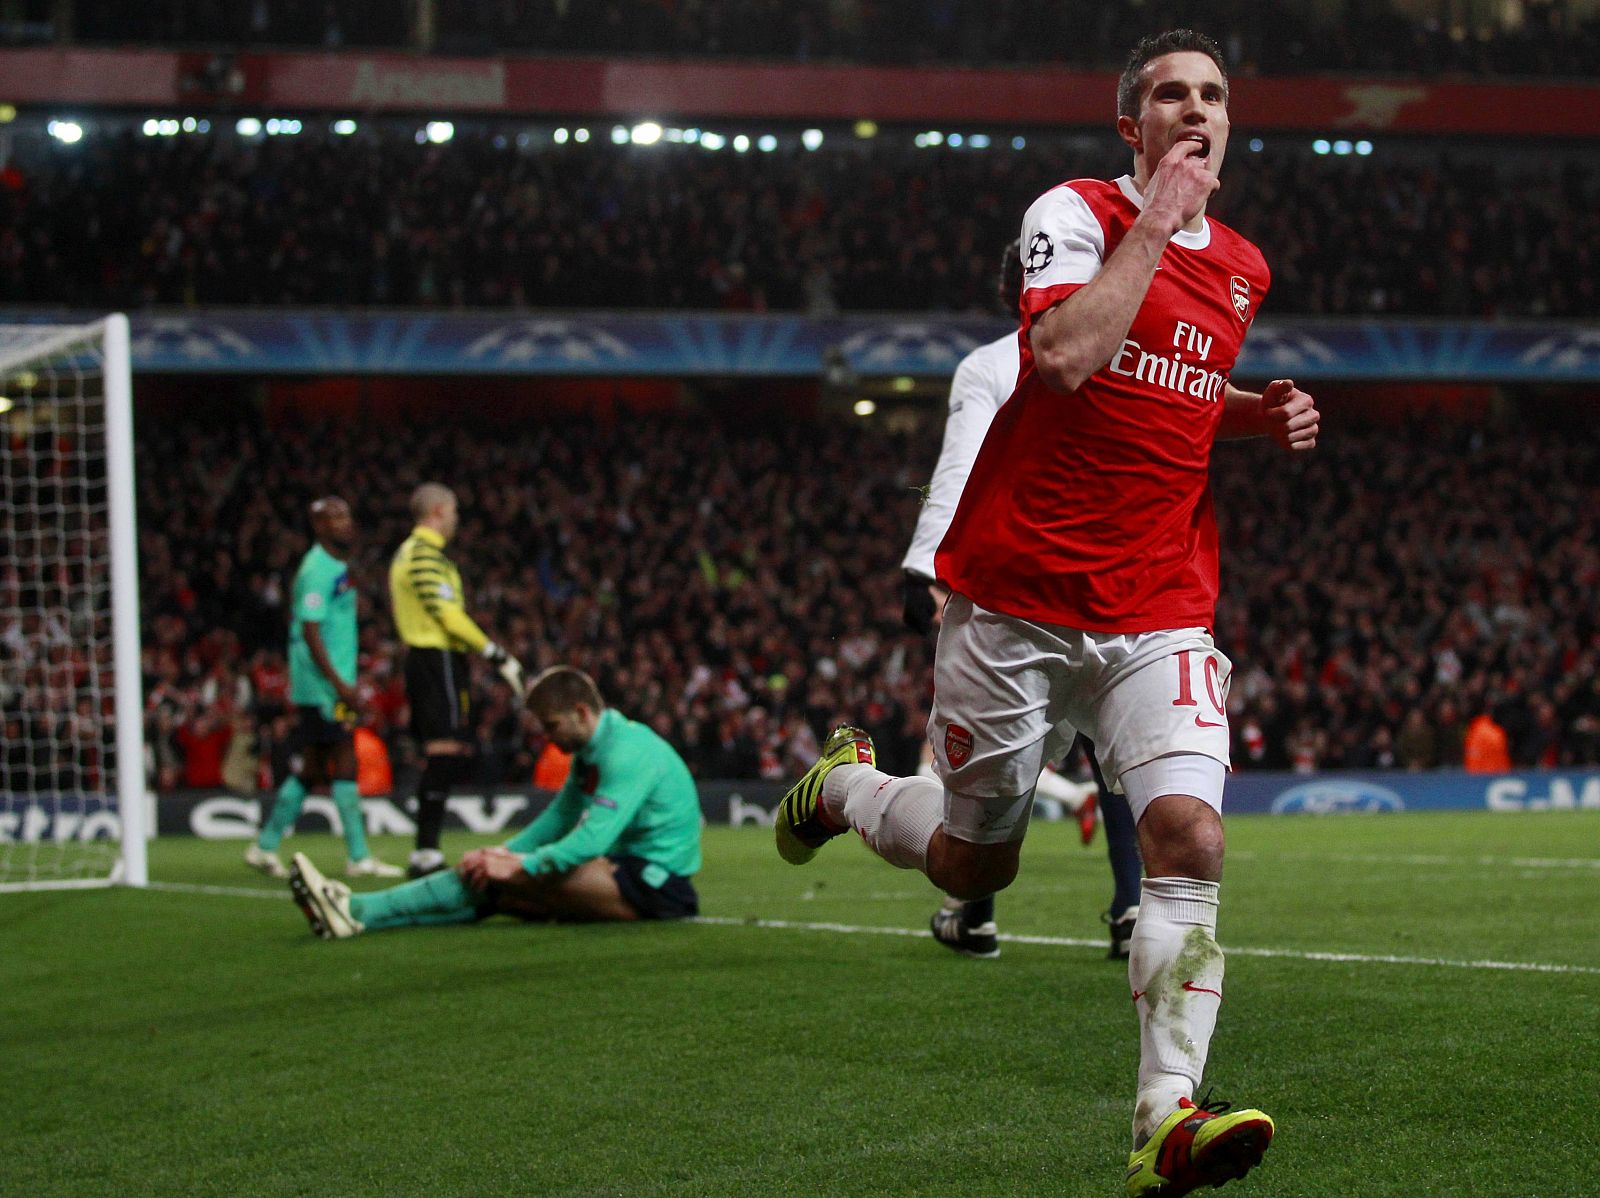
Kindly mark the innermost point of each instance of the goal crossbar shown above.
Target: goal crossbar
(56, 339)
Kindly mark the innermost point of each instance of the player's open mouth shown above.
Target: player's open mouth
(1201, 140)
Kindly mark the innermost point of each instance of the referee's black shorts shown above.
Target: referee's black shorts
(436, 687)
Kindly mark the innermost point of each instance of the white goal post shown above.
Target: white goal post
(73, 809)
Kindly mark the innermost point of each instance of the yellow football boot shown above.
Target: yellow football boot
(1198, 1146)
(800, 824)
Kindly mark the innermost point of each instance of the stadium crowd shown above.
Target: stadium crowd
(737, 586)
(1369, 35)
(328, 24)
(377, 219)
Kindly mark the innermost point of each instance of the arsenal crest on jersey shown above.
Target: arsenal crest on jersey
(1241, 296)
(957, 745)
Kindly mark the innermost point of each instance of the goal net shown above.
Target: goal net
(72, 794)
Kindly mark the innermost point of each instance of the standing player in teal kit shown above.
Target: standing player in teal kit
(322, 686)
(620, 841)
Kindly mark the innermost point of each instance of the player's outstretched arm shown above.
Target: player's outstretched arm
(1080, 334)
(554, 822)
(1283, 412)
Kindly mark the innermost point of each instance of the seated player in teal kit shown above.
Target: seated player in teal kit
(620, 841)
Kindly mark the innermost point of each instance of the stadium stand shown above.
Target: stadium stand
(1540, 39)
(330, 24)
(1468, 606)
(1440, 571)
(484, 221)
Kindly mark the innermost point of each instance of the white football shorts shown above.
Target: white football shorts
(1010, 695)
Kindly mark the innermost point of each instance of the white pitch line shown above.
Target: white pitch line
(850, 929)
(1285, 954)
(1546, 862)
(1432, 962)
(225, 891)
(1424, 859)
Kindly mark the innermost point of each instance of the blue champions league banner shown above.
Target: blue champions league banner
(1335, 793)
(611, 344)
(223, 815)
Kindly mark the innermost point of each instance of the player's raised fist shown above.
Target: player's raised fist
(1291, 415)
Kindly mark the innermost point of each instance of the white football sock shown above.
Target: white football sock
(897, 817)
(1176, 973)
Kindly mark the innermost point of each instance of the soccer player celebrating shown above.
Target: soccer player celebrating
(984, 380)
(430, 614)
(1082, 565)
(619, 841)
(322, 686)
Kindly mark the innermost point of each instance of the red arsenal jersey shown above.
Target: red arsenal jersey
(1093, 509)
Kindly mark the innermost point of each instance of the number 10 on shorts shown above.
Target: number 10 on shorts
(1216, 690)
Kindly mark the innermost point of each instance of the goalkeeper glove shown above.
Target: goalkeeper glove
(508, 667)
(918, 614)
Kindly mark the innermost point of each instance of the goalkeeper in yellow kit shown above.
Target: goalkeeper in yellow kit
(430, 614)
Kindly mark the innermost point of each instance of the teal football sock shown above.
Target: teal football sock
(347, 798)
(285, 810)
(438, 898)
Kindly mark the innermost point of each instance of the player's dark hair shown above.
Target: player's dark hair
(560, 689)
(1130, 88)
(1008, 287)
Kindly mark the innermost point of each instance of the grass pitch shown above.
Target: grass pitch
(1412, 997)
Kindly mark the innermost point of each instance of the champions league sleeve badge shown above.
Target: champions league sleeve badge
(1040, 253)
